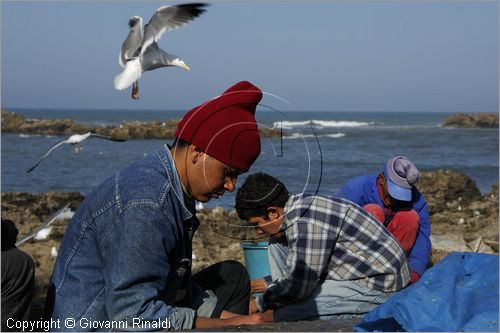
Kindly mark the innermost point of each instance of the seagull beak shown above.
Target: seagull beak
(186, 67)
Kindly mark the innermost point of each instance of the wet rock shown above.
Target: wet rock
(472, 120)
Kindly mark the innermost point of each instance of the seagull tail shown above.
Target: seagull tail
(130, 74)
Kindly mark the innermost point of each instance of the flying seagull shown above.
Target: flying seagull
(73, 140)
(141, 53)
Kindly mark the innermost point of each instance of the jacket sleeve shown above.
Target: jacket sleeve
(420, 253)
(136, 261)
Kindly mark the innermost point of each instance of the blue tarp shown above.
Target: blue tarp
(460, 293)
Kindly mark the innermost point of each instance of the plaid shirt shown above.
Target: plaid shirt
(335, 239)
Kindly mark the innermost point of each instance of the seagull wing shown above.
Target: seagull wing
(47, 154)
(131, 44)
(106, 137)
(154, 57)
(44, 225)
(169, 18)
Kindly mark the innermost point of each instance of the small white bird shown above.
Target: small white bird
(141, 53)
(43, 234)
(73, 140)
(199, 205)
(53, 251)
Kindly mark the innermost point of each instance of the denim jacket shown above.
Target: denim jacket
(119, 258)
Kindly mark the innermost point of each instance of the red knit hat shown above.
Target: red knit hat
(225, 127)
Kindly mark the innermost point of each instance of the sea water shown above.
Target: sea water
(317, 152)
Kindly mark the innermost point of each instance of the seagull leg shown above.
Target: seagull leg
(78, 148)
(135, 90)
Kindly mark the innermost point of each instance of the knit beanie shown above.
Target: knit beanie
(225, 127)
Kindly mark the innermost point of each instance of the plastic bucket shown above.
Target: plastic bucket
(256, 259)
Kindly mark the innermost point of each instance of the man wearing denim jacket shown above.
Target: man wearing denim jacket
(125, 259)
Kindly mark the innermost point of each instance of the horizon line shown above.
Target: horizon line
(261, 110)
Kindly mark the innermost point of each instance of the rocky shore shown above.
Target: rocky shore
(472, 120)
(161, 129)
(459, 216)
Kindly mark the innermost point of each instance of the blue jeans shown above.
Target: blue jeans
(332, 299)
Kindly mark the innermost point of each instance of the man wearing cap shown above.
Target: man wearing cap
(391, 196)
(125, 260)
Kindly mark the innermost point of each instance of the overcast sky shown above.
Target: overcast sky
(338, 56)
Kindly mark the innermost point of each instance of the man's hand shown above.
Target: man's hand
(257, 285)
(253, 306)
(258, 318)
(253, 319)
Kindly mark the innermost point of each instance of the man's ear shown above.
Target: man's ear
(194, 153)
(273, 213)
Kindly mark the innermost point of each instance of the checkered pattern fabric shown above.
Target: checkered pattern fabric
(333, 238)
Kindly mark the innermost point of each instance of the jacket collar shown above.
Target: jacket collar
(173, 178)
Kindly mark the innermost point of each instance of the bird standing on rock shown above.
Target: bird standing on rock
(141, 53)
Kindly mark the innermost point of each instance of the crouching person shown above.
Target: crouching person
(328, 257)
(125, 258)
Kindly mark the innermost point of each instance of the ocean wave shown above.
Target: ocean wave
(24, 136)
(308, 136)
(320, 124)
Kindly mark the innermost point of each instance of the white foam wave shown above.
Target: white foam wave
(24, 136)
(335, 135)
(319, 124)
(308, 136)
(342, 123)
(291, 124)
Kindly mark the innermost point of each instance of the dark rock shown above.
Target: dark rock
(442, 187)
(15, 123)
(29, 210)
(472, 120)
(219, 237)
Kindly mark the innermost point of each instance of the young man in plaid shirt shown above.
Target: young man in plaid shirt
(328, 257)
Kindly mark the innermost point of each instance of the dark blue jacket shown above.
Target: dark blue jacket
(363, 190)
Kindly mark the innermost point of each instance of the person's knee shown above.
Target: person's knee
(404, 226)
(234, 270)
(407, 220)
(376, 210)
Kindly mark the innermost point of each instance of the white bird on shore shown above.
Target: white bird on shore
(141, 53)
(43, 234)
(199, 205)
(53, 251)
(75, 140)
